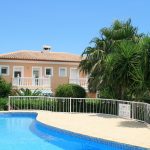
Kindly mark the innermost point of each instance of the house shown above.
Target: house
(43, 70)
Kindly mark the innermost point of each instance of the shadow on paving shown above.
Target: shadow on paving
(104, 115)
(125, 123)
(132, 124)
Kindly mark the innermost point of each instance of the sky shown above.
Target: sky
(66, 25)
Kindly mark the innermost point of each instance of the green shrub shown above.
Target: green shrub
(27, 92)
(70, 90)
(3, 104)
(5, 88)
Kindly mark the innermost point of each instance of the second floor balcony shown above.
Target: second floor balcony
(44, 82)
(31, 83)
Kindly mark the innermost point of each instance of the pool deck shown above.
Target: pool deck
(100, 126)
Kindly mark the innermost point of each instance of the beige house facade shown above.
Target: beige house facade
(44, 70)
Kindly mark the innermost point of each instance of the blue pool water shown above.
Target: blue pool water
(21, 131)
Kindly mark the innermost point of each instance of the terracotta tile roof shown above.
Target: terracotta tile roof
(41, 56)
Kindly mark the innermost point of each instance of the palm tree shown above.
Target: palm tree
(28, 92)
(94, 58)
(141, 74)
(119, 67)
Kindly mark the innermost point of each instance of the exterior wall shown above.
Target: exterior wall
(55, 79)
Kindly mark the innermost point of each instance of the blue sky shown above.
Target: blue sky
(66, 25)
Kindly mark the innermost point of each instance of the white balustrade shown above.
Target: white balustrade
(26, 82)
(80, 81)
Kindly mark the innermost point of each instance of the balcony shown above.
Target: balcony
(83, 82)
(31, 83)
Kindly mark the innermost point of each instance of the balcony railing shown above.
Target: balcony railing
(80, 81)
(29, 82)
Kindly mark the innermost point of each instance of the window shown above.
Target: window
(18, 71)
(62, 72)
(4, 70)
(17, 74)
(48, 71)
(74, 73)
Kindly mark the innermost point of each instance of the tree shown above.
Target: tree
(119, 68)
(94, 57)
(113, 59)
(140, 74)
(5, 88)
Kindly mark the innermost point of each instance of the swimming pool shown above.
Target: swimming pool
(21, 131)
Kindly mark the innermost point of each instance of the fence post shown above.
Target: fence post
(70, 104)
(9, 103)
(132, 110)
(145, 112)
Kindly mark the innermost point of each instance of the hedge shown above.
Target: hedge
(70, 90)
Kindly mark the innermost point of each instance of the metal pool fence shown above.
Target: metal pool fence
(127, 109)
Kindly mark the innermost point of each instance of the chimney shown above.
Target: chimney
(46, 48)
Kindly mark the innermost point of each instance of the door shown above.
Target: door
(17, 78)
(36, 73)
(17, 74)
(74, 75)
(36, 76)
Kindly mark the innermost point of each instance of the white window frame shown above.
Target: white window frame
(65, 71)
(22, 70)
(51, 71)
(40, 69)
(7, 66)
(74, 68)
